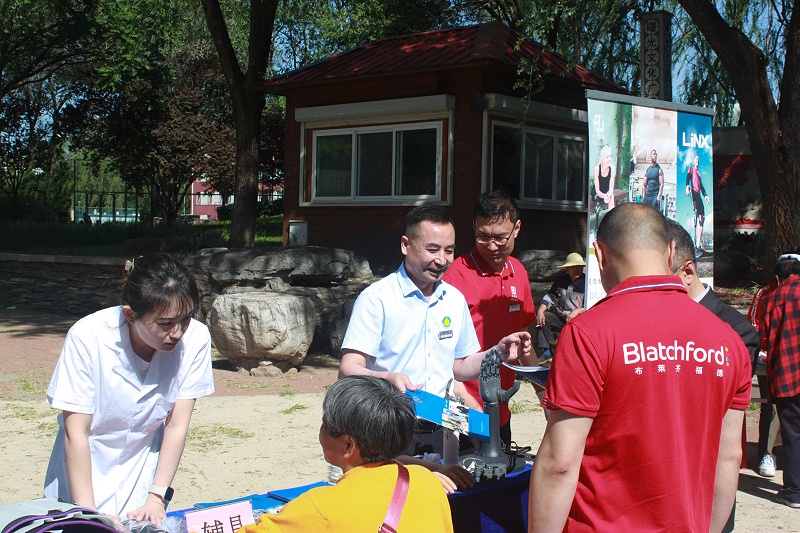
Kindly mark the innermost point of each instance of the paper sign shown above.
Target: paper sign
(221, 519)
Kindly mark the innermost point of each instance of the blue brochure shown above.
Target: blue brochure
(287, 495)
(431, 407)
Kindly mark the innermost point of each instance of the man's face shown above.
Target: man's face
(653, 157)
(332, 447)
(574, 272)
(697, 161)
(429, 251)
(500, 235)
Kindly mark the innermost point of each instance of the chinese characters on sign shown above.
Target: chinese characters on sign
(220, 519)
(656, 61)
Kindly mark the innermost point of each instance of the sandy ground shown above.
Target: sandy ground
(254, 434)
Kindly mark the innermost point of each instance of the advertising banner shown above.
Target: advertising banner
(653, 152)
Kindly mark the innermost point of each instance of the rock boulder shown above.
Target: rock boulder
(542, 265)
(252, 327)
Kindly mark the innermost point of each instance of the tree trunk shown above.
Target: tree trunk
(247, 116)
(774, 134)
(248, 105)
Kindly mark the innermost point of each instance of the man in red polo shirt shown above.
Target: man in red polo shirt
(496, 287)
(624, 449)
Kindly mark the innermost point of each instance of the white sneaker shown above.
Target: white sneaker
(767, 466)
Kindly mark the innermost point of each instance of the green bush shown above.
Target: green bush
(225, 212)
(269, 209)
(265, 209)
(108, 239)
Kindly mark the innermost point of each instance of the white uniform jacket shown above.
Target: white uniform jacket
(96, 375)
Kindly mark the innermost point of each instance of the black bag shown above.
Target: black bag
(50, 514)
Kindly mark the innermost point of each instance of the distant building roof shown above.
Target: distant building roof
(439, 49)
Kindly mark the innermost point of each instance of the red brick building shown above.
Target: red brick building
(436, 116)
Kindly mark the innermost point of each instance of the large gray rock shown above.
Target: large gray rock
(252, 327)
(542, 265)
(327, 277)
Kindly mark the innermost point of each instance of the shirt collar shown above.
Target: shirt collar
(483, 267)
(702, 294)
(647, 284)
(408, 287)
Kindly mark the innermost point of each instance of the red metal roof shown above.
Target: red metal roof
(493, 41)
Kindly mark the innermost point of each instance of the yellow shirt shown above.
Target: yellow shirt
(358, 503)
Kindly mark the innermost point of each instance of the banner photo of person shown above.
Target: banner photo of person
(653, 152)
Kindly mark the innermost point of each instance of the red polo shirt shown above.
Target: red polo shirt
(500, 304)
(657, 372)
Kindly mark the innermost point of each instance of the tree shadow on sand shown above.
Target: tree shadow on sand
(34, 324)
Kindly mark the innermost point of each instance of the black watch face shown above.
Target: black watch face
(168, 494)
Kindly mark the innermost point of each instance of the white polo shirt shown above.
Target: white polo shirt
(97, 374)
(404, 332)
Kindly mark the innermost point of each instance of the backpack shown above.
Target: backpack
(50, 514)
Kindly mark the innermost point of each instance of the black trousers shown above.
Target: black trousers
(764, 418)
(789, 417)
(552, 324)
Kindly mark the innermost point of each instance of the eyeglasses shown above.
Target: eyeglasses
(499, 241)
(682, 267)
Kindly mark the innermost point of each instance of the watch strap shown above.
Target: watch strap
(165, 493)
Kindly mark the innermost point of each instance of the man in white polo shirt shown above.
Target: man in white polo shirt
(412, 328)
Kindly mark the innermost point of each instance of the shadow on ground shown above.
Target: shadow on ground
(30, 323)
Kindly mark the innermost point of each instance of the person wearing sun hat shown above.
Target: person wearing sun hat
(562, 303)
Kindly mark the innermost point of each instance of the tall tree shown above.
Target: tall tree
(773, 128)
(600, 34)
(248, 104)
(39, 37)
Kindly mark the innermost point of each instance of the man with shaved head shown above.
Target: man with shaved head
(624, 449)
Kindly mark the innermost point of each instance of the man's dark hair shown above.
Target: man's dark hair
(684, 245)
(496, 205)
(631, 227)
(379, 418)
(788, 266)
(426, 212)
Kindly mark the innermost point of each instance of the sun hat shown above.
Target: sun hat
(573, 259)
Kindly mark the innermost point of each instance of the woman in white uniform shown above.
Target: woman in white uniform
(126, 382)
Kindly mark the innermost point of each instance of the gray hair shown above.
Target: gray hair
(379, 418)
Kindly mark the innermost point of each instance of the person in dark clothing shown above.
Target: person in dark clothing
(562, 303)
(685, 267)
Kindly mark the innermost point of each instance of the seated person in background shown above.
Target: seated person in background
(562, 303)
(366, 423)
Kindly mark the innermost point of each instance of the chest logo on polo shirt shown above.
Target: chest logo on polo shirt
(447, 333)
(514, 293)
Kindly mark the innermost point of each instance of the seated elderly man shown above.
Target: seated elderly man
(366, 423)
(562, 303)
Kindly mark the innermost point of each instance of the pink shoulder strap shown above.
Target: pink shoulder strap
(392, 517)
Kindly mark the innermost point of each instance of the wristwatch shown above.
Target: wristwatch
(165, 493)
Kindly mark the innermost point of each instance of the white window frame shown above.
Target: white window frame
(354, 133)
(378, 116)
(530, 201)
